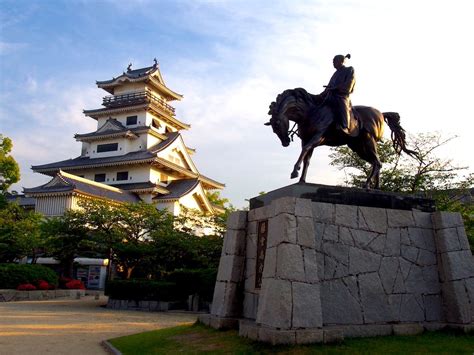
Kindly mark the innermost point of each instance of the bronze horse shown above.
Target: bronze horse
(316, 126)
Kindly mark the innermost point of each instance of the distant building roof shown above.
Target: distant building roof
(64, 183)
(21, 200)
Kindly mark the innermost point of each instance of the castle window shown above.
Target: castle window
(131, 120)
(110, 147)
(99, 177)
(122, 175)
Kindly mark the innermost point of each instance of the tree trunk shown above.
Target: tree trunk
(129, 272)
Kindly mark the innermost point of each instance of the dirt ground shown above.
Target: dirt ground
(73, 326)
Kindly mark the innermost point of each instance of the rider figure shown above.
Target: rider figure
(338, 90)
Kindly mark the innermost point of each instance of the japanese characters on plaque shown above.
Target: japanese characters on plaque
(262, 234)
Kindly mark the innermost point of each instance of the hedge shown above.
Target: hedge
(145, 290)
(175, 286)
(194, 281)
(12, 275)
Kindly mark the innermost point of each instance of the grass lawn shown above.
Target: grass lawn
(198, 338)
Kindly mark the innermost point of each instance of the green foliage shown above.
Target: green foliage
(184, 250)
(197, 281)
(66, 237)
(145, 290)
(9, 169)
(19, 233)
(12, 275)
(175, 286)
(139, 238)
(402, 173)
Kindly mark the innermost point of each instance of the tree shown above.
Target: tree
(135, 224)
(9, 169)
(19, 233)
(219, 220)
(103, 220)
(66, 237)
(401, 173)
(435, 177)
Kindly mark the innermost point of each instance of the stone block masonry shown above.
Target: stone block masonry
(333, 270)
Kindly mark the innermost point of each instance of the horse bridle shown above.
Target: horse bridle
(293, 131)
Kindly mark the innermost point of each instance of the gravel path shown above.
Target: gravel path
(73, 326)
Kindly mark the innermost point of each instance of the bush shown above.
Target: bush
(194, 281)
(141, 290)
(75, 285)
(44, 285)
(26, 287)
(12, 275)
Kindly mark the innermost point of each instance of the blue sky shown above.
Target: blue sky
(230, 59)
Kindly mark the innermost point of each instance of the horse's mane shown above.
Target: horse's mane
(298, 94)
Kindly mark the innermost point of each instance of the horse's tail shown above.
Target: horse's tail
(398, 133)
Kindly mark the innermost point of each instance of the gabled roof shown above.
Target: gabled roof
(142, 156)
(64, 183)
(148, 74)
(141, 187)
(112, 128)
(178, 189)
(149, 106)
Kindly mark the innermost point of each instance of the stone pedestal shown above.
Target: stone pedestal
(296, 270)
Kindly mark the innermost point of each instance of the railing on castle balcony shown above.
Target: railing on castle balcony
(134, 99)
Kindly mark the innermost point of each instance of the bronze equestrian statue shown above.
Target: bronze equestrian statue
(318, 124)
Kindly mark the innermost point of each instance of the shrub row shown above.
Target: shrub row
(144, 290)
(176, 286)
(12, 275)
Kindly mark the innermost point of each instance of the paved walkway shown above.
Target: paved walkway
(73, 326)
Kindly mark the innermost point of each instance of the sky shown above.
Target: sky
(230, 59)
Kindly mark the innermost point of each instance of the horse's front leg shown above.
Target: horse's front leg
(306, 161)
(313, 143)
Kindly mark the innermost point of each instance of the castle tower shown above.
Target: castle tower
(137, 148)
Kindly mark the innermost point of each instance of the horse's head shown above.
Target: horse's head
(279, 123)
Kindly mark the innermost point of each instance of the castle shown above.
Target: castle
(136, 154)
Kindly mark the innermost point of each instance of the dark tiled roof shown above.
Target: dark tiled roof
(110, 131)
(136, 73)
(163, 144)
(141, 186)
(68, 182)
(86, 161)
(21, 200)
(132, 74)
(179, 188)
(130, 157)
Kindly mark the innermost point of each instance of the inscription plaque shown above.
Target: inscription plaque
(261, 248)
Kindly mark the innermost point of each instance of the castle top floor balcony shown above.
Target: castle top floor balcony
(136, 98)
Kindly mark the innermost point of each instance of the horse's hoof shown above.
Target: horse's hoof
(294, 174)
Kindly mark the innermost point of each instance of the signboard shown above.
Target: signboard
(262, 234)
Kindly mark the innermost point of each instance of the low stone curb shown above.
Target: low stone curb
(110, 348)
(146, 306)
(8, 295)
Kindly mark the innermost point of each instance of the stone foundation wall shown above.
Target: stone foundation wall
(327, 265)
